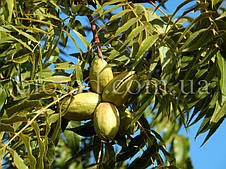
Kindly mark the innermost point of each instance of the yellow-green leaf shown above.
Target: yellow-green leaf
(10, 5)
(57, 79)
(18, 161)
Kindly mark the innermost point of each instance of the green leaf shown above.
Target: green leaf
(107, 3)
(179, 7)
(120, 14)
(135, 145)
(122, 58)
(221, 62)
(73, 140)
(144, 47)
(85, 42)
(18, 161)
(223, 15)
(21, 42)
(3, 96)
(196, 40)
(2, 149)
(41, 145)
(6, 127)
(42, 95)
(21, 59)
(65, 65)
(57, 79)
(220, 111)
(14, 119)
(28, 36)
(74, 41)
(10, 5)
(85, 130)
(212, 130)
(181, 146)
(79, 74)
(145, 160)
(141, 110)
(81, 9)
(4, 29)
(96, 147)
(23, 106)
(133, 34)
(215, 2)
(26, 139)
(126, 26)
(110, 155)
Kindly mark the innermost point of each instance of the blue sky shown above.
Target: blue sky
(212, 154)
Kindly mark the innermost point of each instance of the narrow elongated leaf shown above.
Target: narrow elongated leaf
(181, 146)
(111, 9)
(13, 119)
(212, 130)
(28, 36)
(81, 9)
(107, 3)
(205, 125)
(134, 146)
(133, 34)
(223, 15)
(26, 139)
(65, 65)
(74, 41)
(4, 29)
(21, 42)
(196, 40)
(2, 150)
(126, 26)
(73, 140)
(85, 130)
(141, 110)
(85, 42)
(79, 75)
(144, 47)
(19, 162)
(120, 14)
(21, 59)
(215, 2)
(6, 128)
(96, 147)
(145, 160)
(41, 95)
(110, 155)
(3, 96)
(10, 5)
(57, 79)
(31, 28)
(220, 111)
(221, 62)
(41, 145)
(179, 7)
(39, 21)
(23, 106)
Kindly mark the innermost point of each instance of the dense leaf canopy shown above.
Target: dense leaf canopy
(180, 64)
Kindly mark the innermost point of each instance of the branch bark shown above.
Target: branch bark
(95, 35)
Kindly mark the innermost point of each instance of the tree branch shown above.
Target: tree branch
(92, 2)
(95, 35)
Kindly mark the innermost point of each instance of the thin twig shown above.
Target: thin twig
(95, 35)
(39, 112)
